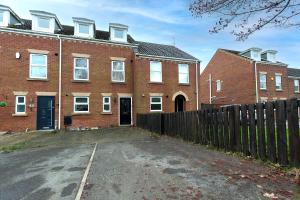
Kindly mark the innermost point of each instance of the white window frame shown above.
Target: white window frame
(186, 73)
(218, 85)
(156, 71)
(278, 75)
(1, 18)
(84, 34)
(43, 28)
(74, 104)
(87, 68)
(112, 71)
(109, 104)
(298, 90)
(123, 39)
(161, 103)
(17, 103)
(260, 85)
(32, 65)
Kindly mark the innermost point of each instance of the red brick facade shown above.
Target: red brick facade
(237, 76)
(14, 78)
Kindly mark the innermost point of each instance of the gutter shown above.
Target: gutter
(59, 82)
(256, 84)
(167, 58)
(197, 87)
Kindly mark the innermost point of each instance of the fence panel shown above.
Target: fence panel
(261, 131)
(271, 139)
(244, 123)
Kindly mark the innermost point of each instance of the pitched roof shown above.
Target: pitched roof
(293, 72)
(161, 50)
(264, 60)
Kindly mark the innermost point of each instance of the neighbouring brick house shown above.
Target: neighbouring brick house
(245, 77)
(49, 71)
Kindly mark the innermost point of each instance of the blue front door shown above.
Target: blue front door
(45, 113)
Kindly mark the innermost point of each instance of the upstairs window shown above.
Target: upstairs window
(263, 81)
(1, 17)
(296, 86)
(218, 85)
(81, 104)
(118, 34)
(183, 70)
(81, 69)
(84, 29)
(38, 66)
(155, 103)
(278, 82)
(155, 71)
(118, 71)
(20, 105)
(43, 23)
(106, 104)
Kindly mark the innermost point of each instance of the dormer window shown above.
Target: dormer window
(269, 55)
(84, 27)
(118, 32)
(253, 53)
(8, 17)
(44, 21)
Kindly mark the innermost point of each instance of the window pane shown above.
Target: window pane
(155, 106)
(118, 65)
(183, 78)
(38, 72)
(106, 100)
(83, 28)
(81, 62)
(155, 100)
(21, 99)
(81, 100)
(81, 108)
(119, 33)
(38, 59)
(20, 108)
(296, 82)
(44, 22)
(81, 74)
(1, 16)
(118, 76)
(155, 66)
(106, 107)
(155, 76)
(183, 68)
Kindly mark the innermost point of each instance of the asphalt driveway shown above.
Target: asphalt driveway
(130, 164)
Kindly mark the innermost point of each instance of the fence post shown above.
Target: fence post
(237, 128)
(293, 124)
(252, 129)
(226, 131)
(245, 133)
(271, 140)
(231, 129)
(261, 131)
(281, 132)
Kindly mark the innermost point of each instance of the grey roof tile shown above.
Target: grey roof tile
(152, 49)
(293, 72)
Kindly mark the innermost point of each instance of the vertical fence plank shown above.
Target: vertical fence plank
(281, 132)
(245, 134)
(271, 140)
(216, 128)
(252, 129)
(261, 131)
(231, 128)
(293, 125)
(226, 129)
(237, 128)
(221, 129)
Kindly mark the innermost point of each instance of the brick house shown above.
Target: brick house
(245, 77)
(50, 72)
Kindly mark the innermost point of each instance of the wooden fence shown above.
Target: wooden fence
(269, 131)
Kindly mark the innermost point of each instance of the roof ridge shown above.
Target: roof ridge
(156, 43)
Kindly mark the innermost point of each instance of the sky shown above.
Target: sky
(165, 22)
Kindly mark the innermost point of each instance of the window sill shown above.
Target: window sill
(156, 111)
(279, 90)
(263, 89)
(20, 115)
(106, 113)
(80, 113)
(81, 81)
(158, 83)
(37, 79)
(297, 92)
(184, 84)
(118, 82)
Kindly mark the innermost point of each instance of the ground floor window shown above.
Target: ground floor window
(20, 104)
(106, 104)
(81, 104)
(155, 103)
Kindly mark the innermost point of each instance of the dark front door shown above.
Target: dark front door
(45, 113)
(125, 111)
(179, 103)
